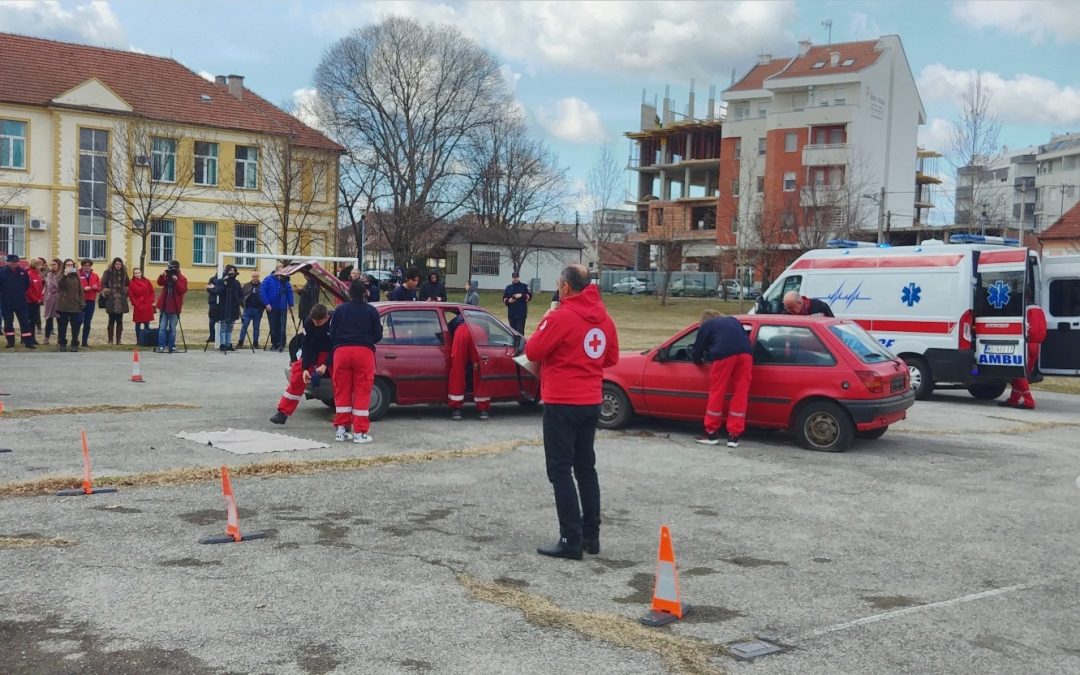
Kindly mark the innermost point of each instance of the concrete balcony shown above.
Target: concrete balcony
(822, 195)
(826, 154)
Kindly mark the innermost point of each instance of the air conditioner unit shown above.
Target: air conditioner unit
(36, 224)
(142, 160)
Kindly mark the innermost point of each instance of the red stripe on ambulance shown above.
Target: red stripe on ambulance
(878, 262)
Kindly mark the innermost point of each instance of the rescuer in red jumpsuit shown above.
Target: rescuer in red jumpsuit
(1020, 396)
(463, 356)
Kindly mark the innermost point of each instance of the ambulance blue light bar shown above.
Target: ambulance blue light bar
(982, 239)
(849, 243)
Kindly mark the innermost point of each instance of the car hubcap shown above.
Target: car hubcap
(915, 376)
(609, 408)
(822, 429)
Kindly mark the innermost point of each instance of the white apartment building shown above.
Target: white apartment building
(1000, 192)
(1057, 178)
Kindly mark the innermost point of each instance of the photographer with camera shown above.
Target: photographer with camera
(253, 310)
(170, 302)
(227, 293)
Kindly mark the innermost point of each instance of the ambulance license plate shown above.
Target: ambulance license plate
(1000, 349)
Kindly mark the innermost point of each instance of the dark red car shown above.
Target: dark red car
(827, 380)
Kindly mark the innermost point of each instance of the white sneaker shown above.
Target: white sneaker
(342, 434)
(362, 438)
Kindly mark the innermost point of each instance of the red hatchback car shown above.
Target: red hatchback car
(412, 362)
(827, 380)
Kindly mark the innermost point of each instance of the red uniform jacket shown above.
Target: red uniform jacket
(171, 302)
(92, 282)
(1036, 324)
(574, 344)
(141, 296)
(36, 293)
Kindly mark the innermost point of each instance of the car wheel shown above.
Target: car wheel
(987, 392)
(615, 408)
(873, 433)
(921, 382)
(380, 400)
(824, 426)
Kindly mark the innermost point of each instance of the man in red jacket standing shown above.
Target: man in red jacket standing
(1020, 396)
(573, 345)
(170, 303)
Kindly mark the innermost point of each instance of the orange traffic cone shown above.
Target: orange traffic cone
(87, 484)
(136, 374)
(232, 517)
(666, 603)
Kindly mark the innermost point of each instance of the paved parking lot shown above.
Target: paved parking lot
(948, 545)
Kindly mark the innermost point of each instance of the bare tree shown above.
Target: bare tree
(973, 144)
(518, 185)
(831, 207)
(290, 198)
(146, 176)
(407, 98)
(603, 192)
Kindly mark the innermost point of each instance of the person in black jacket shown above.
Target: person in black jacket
(723, 341)
(314, 361)
(354, 330)
(407, 289)
(309, 296)
(227, 296)
(373, 288)
(253, 310)
(516, 297)
(800, 305)
(14, 282)
(433, 289)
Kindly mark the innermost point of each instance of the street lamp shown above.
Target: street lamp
(880, 201)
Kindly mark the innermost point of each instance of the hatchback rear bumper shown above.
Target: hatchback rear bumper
(879, 412)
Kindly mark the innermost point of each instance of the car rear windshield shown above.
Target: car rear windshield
(861, 343)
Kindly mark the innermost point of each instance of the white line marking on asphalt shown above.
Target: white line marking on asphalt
(911, 610)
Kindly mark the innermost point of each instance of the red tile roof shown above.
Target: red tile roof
(34, 71)
(1065, 227)
(755, 79)
(862, 53)
(616, 254)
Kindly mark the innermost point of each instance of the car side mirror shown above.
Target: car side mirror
(663, 353)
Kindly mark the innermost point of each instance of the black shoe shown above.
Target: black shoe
(279, 418)
(240, 344)
(561, 549)
(708, 439)
(75, 348)
(591, 545)
(222, 349)
(61, 348)
(732, 441)
(484, 415)
(1009, 404)
(10, 345)
(455, 415)
(31, 346)
(84, 344)
(230, 348)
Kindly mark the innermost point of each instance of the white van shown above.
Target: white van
(954, 312)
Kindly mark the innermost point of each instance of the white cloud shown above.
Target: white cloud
(305, 103)
(206, 75)
(573, 120)
(1023, 99)
(936, 134)
(655, 38)
(1033, 19)
(862, 27)
(90, 23)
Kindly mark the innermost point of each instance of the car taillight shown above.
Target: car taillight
(872, 381)
(966, 337)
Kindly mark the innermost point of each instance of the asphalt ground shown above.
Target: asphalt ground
(948, 545)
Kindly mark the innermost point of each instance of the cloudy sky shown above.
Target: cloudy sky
(579, 68)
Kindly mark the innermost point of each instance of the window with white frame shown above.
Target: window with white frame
(12, 144)
(761, 146)
(162, 240)
(206, 163)
(93, 192)
(163, 160)
(247, 167)
(13, 232)
(789, 181)
(204, 243)
(485, 263)
(244, 237)
(791, 141)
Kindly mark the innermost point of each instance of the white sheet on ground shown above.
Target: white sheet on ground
(248, 442)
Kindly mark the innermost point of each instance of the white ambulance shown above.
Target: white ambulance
(953, 311)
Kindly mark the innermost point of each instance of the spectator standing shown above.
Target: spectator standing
(35, 295)
(354, 330)
(212, 314)
(228, 294)
(800, 305)
(722, 341)
(70, 305)
(573, 345)
(170, 303)
(407, 290)
(141, 296)
(516, 297)
(277, 296)
(472, 294)
(373, 288)
(114, 290)
(91, 287)
(313, 361)
(52, 291)
(433, 290)
(14, 284)
(253, 310)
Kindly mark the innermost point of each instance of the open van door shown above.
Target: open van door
(998, 307)
(1060, 354)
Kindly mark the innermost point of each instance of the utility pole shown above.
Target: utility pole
(360, 248)
(881, 217)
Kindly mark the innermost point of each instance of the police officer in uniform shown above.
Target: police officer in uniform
(14, 282)
(516, 297)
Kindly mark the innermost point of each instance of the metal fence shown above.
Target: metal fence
(696, 284)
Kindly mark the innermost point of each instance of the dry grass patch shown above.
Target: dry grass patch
(21, 413)
(203, 474)
(682, 654)
(1060, 385)
(25, 541)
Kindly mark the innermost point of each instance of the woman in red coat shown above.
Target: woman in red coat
(141, 296)
(35, 295)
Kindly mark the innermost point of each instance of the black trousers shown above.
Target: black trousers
(518, 323)
(569, 432)
(74, 319)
